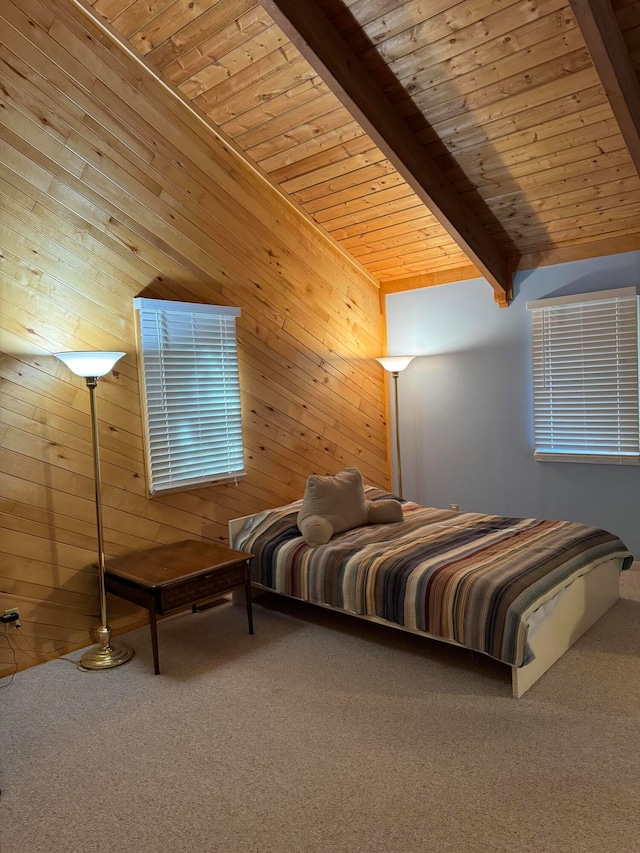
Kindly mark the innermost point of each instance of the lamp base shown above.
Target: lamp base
(106, 657)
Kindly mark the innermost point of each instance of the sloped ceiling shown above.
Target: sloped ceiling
(429, 138)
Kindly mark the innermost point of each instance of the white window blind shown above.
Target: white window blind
(585, 377)
(191, 393)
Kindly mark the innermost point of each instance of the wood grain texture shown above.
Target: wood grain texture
(346, 75)
(502, 93)
(605, 42)
(110, 189)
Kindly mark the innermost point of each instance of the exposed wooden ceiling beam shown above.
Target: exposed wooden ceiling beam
(600, 29)
(430, 279)
(304, 23)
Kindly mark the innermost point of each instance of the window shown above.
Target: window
(191, 393)
(585, 377)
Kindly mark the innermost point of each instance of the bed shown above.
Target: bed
(519, 590)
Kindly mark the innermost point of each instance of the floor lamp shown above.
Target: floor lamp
(91, 366)
(395, 364)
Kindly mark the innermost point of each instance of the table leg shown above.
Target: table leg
(154, 637)
(247, 595)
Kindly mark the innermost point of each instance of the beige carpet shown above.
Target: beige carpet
(323, 733)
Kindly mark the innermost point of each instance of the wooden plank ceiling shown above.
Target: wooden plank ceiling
(502, 96)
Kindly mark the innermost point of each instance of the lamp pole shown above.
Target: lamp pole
(105, 656)
(397, 427)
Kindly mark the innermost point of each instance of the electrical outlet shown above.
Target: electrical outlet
(11, 619)
(454, 507)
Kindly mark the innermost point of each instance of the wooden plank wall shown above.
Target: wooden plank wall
(111, 189)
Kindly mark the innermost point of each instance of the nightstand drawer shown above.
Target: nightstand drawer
(186, 592)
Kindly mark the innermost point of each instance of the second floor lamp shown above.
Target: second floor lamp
(395, 364)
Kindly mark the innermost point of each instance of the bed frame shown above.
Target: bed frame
(578, 607)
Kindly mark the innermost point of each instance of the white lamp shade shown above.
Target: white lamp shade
(395, 363)
(89, 363)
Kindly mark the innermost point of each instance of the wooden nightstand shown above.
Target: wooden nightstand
(174, 577)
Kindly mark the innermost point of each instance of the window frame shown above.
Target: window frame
(210, 327)
(573, 371)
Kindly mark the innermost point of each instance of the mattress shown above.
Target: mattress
(467, 578)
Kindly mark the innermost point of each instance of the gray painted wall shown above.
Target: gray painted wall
(466, 420)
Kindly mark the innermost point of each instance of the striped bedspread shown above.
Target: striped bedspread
(474, 579)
